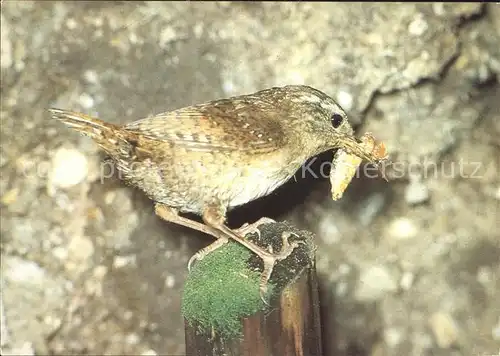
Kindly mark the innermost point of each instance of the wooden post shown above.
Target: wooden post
(223, 311)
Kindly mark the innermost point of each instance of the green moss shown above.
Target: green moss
(221, 289)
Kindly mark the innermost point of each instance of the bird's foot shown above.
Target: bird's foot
(270, 259)
(247, 228)
(198, 256)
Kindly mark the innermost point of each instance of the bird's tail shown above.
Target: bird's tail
(87, 125)
(106, 135)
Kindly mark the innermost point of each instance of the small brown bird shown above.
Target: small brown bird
(209, 158)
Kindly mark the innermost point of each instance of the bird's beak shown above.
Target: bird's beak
(348, 143)
(365, 148)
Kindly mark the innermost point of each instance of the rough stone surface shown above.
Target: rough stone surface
(88, 269)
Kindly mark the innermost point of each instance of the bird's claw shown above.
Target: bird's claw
(247, 228)
(206, 250)
(271, 259)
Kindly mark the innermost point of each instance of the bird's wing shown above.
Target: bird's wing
(223, 125)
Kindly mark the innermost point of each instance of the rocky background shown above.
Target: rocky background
(409, 267)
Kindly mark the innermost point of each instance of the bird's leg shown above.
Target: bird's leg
(246, 228)
(214, 216)
(171, 215)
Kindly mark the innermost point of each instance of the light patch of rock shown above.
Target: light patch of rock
(69, 168)
(374, 282)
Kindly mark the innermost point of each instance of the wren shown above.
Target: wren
(212, 157)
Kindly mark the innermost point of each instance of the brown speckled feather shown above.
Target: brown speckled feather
(225, 127)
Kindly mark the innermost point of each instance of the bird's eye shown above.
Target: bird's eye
(337, 120)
